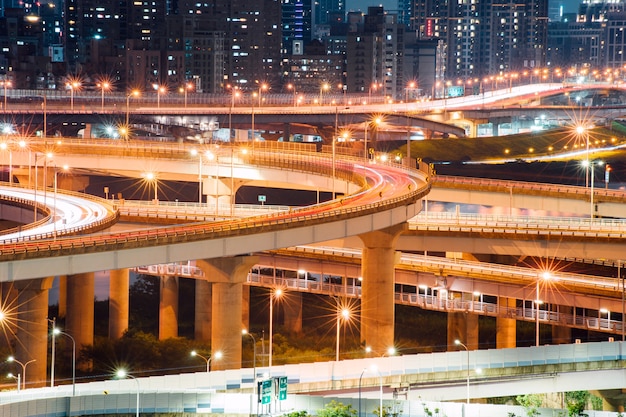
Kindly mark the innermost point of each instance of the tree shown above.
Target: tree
(531, 403)
(337, 409)
(576, 402)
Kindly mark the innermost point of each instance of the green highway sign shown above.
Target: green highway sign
(266, 391)
(282, 388)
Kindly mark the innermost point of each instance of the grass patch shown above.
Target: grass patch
(558, 143)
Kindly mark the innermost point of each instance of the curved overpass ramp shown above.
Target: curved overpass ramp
(388, 195)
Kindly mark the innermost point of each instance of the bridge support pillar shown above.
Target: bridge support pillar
(168, 307)
(80, 309)
(464, 327)
(119, 286)
(245, 307)
(377, 296)
(221, 191)
(228, 276)
(32, 333)
(293, 313)
(62, 296)
(562, 334)
(505, 326)
(203, 316)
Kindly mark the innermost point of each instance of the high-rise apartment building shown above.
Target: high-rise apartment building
(374, 55)
(483, 36)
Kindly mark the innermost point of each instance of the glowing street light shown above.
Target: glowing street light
(17, 380)
(459, 343)
(184, 89)
(323, 87)
(274, 294)
(5, 84)
(73, 85)
(122, 374)
(217, 355)
(151, 177)
(160, 89)
(55, 332)
(546, 276)
(104, 86)
(133, 93)
(344, 314)
(23, 365)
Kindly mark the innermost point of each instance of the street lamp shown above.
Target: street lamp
(323, 87)
(17, 379)
(233, 94)
(104, 86)
(65, 168)
(133, 93)
(274, 294)
(584, 132)
(123, 374)
(545, 276)
(217, 355)
(151, 177)
(159, 90)
(295, 94)
(360, 379)
(590, 166)
(246, 333)
(184, 89)
(459, 343)
(23, 365)
(376, 121)
(344, 314)
(72, 85)
(5, 84)
(56, 331)
(262, 87)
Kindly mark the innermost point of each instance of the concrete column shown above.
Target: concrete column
(79, 319)
(32, 333)
(293, 312)
(62, 296)
(562, 334)
(168, 307)
(228, 275)
(377, 293)
(202, 320)
(463, 326)
(506, 335)
(245, 307)
(119, 287)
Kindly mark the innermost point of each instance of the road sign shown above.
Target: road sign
(262, 199)
(266, 391)
(282, 388)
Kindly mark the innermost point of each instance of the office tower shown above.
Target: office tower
(296, 25)
(375, 51)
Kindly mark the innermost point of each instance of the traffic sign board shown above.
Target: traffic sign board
(282, 388)
(266, 391)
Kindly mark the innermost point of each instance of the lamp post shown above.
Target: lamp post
(72, 85)
(233, 94)
(276, 293)
(545, 276)
(5, 84)
(217, 355)
(582, 131)
(459, 343)
(104, 86)
(295, 94)
(151, 177)
(262, 87)
(590, 166)
(184, 89)
(245, 332)
(17, 379)
(159, 90)
(344, 314)
(23, 365)
(360, 379)
(133, 93)
(56, 331)
(323, 87)
(123, 374)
